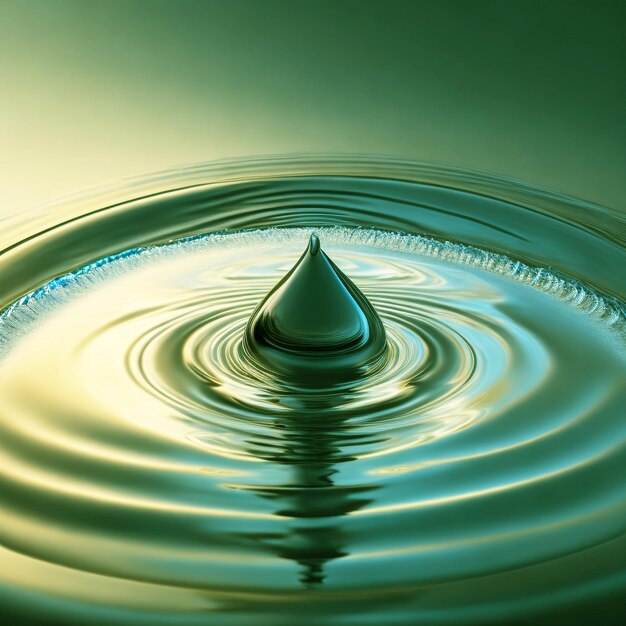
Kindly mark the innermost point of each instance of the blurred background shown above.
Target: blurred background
(96, 90)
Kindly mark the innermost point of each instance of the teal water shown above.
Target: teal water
(176, 451)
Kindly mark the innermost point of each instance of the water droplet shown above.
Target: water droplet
(316, 317)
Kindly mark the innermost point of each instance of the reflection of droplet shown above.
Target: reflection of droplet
(316, 317)
(309, 497)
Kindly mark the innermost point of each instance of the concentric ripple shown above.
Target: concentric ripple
(153, 472)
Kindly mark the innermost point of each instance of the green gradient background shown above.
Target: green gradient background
(95, 90)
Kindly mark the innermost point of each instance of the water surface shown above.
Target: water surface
(154, 471)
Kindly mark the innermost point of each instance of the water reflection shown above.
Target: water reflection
(315, 446)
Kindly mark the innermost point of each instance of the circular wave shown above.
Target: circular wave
(153, 470)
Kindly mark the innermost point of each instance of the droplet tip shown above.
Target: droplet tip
(314, 244)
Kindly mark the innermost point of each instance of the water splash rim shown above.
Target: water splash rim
(605, 309)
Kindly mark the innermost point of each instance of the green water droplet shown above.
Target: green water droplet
(316, 317)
